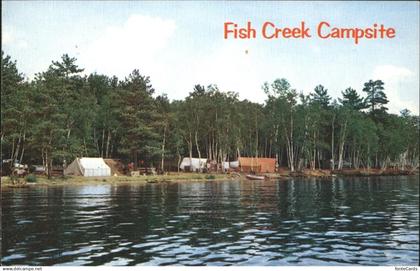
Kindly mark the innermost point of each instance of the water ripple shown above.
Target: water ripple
(295, 222)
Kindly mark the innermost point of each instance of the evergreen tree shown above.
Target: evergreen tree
(375, 98)
(15, 110)
(352, 100)
(138, 118)
(320, 96)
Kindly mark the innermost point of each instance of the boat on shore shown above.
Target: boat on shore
(255, 177)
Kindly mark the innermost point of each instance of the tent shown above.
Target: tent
(116, 166)
(230, 165)
(88, 167)
(257, 165)
(193, 164)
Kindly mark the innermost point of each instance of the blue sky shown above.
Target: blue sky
(180, 44)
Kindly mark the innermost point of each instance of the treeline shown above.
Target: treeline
(61, 114)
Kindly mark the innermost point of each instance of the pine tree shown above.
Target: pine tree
(320, 96)
(375, 98)
(352, 100)
(139, 118)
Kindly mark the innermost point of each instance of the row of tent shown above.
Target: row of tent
(97, 167)
(244, 164)
(195, 164)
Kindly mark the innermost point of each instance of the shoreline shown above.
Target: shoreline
(196, 177)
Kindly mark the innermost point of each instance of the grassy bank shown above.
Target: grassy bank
(80, 180)
(186, 177)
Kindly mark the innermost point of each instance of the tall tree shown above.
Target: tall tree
(284, 98)
(320, 96)
(139, 118)
(376, 98)
(352, 100)
(163, 108)
(15, 110)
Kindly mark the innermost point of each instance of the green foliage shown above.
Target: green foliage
(62, 114)
(139, 118)
(14, 178)
(352, 100)
(31, 178)
(320, 96)
(375, 98)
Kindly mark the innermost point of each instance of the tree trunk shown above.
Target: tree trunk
(16, 153)
(198, 151)
(44, 163)
(341, 148)
(108, 141)
(96, 141)
(289, 153)
(179, 158)
(102, 142)
(313, 163)
(190, 150)
(84, 145)
(319, 159)
(256, 139)
(163, 149)
(292, 154)
(332, 144)
(12, 153)
(136, 160)
(48, 164)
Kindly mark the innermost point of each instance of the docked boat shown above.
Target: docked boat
(255, 177)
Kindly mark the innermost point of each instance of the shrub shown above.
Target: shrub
(210, 177)
(14, 178)
(31, 178)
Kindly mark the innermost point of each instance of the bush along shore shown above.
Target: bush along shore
(34, 180)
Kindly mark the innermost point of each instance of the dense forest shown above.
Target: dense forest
(62, 114)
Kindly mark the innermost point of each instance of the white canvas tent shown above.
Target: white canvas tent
(194, 164)
(88, 167)
(232, 164)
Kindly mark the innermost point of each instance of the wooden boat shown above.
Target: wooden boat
(255, 177)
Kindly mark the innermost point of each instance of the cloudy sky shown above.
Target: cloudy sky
(180, 44)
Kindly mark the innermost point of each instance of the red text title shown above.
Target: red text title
(324, 30)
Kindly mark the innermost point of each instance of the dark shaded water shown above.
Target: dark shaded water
(369, 221)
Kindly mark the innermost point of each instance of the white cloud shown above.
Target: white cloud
(13, 38)
(135, 44)
(396, 79)
(146, 43)
(22, 44)
(233, 67)
(7, 37)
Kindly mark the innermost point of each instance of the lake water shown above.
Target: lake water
(344, 221)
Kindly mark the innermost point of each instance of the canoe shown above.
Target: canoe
(254, 177)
